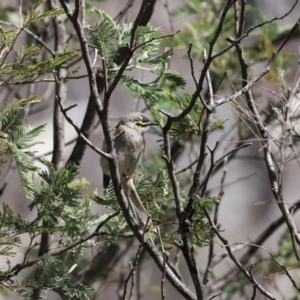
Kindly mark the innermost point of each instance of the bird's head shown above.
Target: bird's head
(138, 121)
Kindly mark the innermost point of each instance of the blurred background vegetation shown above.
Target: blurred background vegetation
(53, 188)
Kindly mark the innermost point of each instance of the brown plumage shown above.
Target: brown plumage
(130, 146)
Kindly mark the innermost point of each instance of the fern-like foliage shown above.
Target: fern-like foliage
(13, 115)
(54, 275)
(18, 139)
(59, 200)
(25, 65)
(190, 125)
(109, 39)
(102, 35)
(6, 38)
(14, 71)
(35, 15)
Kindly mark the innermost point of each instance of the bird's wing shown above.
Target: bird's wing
(116, 133)
(106, 180)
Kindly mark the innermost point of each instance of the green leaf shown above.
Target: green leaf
(151, 101)
(14, 114)
(41, 68)
(218, 124)
(6, 38)
(176, 80)
(102, 35)
(35, 16)
(25, 166)
(25, 135)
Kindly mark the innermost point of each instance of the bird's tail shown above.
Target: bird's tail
(139, 209)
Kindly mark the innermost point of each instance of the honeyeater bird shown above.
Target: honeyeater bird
(130, 145)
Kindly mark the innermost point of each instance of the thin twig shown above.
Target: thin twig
(252, 250)
(244, 90)
(165, 256)
(253, 285)
(120, 15)
(105, 74)
(187, 168)
(155, 39)
(276, 260)
(84, 49)
(215, 296)
(60, 37)
(206, 66)
(132, 272)
(17, 268)
(77, 129)
(193, 75)
(249, 30)
(274, 179)
(232, 151)
(38, 39)
(233, 258)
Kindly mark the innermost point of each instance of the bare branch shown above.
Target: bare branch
(233, 258)
(273, 178)
(132, 272)
(60, 37)
(85, 51)
(80, 134)
(249, 30)
(207, 64)
(120, 15)
(38, 39)
(266, 233)
(215, 296)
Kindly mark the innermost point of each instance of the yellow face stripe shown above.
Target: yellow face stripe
(142, 123)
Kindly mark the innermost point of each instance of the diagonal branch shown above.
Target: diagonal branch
(233, 258)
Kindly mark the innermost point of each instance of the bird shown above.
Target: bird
(130, 145)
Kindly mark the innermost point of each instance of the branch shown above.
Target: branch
(80, 134)
(277, 261)
(267, 233)
(60, 92)
(17, 268)
(273, 178)
(206, 66)
(233, 258)
(132, 271)
(170, 169)
(244, 90)
(252, 250)
(38, 39)
(85, 51)
(187, 248)
(209, 266)
(87, 126)
(120, 15)
(249, 30)
(60, 38)
(146, 7)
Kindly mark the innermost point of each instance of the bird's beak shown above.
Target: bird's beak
(153, 123)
